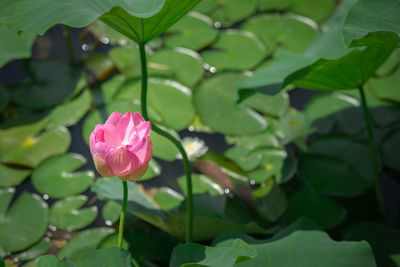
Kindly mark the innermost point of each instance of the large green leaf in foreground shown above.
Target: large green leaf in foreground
(309, 248)
(350, 71)
(371, 16)
(39, 16)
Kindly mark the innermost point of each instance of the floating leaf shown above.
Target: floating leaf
(272, 105)
(153, 171)
(106, 34)
(201, 184)
(292, 126)
(29, 150)
(167, 198)
(235, 50)
(16, 233)
(12, 176)
(317, 10)
(66, 215)
(35, 251)
(229, 12)
(179, 63)
(71, 112)
(53, 79)
(199, 255)
(215, 100)
(127, 60)
(293, 32)
(83, 242)
(266, 5)
(194, 31)
(111, 211)
(325, 211)
(55, 177)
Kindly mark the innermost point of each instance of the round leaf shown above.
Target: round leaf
(194, 31)
(12, 176)
(201, 184)
(167, 198)
(235, 50)
(229, 12)
(83, 242)
(56, 178)
(180, 64)
(65, 213)
(35, 251)
(215, 101)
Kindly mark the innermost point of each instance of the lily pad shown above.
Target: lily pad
(32, 150)
(66, 215)
(55, 177)
(153, 171)
(83, 242)
(229, 12)
(293, 32)
(167, 198)
(201, 184)
(171, 101)
(275, 105)
(12, 176)
(106, 34)
(15, 233)
(198, 255)
(215, 101)
(71, 112)
(35, 251)
(194, 31)
(180, 64)
(53, 79)
(235, 50)
(325, 212)
(316, 10)
(127, 60)
(111, 211)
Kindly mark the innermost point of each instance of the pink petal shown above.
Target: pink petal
(102, 150)
(122, 161)
(92, 143)
(143, 150)
(137, 118)
(137, 174)
(126, 128)
(102, 167)
(112, 135)
(143, 129)
(113, 119)
(99, 133)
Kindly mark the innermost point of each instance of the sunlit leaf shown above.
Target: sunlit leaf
(56, 176)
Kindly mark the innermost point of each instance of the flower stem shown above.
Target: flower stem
(176, 142)
(122, 217)
(372, 148)
(68, 41)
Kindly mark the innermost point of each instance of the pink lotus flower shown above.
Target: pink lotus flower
(122, 147)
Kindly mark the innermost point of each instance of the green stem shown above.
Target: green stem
(372, 148)
(176, 142)
(70, 47)
(122, 217)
